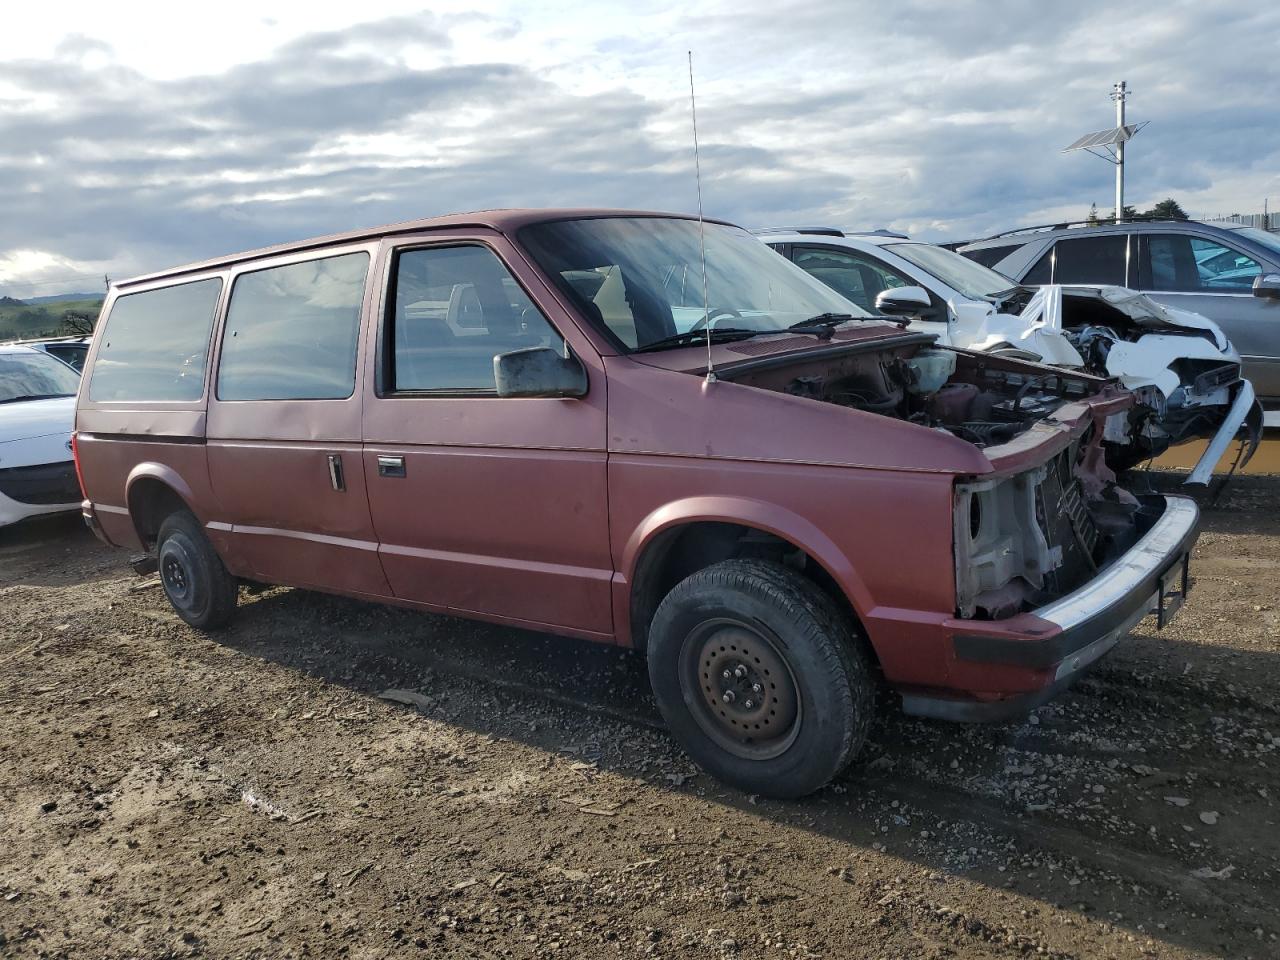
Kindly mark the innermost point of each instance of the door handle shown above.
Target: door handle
(391, 466)
(336, 477)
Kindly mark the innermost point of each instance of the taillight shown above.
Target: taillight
(75, 458)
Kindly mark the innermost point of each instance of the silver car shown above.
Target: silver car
(1227, 272)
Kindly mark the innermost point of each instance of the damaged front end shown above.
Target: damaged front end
(1183, 371)
(1026, 539)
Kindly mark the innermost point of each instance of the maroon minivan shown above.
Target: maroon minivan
(556, 419)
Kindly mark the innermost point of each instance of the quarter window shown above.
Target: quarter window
(155, 344)
(1042, 272)
(1092, 260)
(291, 331)
(853, 276)
(454, 310)
(990, 256)
(1177, 262)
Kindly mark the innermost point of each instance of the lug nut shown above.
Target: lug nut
(756, 688)
(748, 704)
(739, 671)
(729, 696)
(727, 674)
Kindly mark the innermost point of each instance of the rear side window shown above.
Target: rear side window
(291, 331)
(155, 344)
(455, 309)
(1092, 260)
(1178, 262)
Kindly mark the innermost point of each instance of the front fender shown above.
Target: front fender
(743, 511)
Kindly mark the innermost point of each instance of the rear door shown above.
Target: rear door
(487, 506)
(284, 424)
(1208, 276)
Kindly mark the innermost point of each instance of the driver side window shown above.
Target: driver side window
(454, 310)
(853, 275)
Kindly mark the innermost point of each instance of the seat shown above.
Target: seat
(611, 301)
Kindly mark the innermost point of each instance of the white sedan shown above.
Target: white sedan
(37, 413)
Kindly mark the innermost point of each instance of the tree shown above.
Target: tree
(78, 324)
(1129, 213)
(1167, 209)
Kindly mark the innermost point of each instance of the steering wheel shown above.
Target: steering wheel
(715, 313)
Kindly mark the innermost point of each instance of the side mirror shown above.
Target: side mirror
(539, 372)
(905, 302)
(1267, 286)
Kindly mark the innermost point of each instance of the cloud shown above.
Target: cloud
(941, 119)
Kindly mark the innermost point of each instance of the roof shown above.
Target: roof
(848, 238)
(503, 221)
(1020, 234)
(18, 348)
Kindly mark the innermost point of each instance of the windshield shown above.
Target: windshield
(640, 278)
(1262, 238)
(961, 274)
(35, 376)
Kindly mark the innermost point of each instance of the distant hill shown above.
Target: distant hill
(59, 297)
(47, 316)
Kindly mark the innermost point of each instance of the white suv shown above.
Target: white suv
(1180, 365)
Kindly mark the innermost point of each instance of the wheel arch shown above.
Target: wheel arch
(152, 492)
(709, 529)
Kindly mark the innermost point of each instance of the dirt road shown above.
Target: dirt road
(165, 793)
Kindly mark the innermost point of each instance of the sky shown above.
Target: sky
(139, 136)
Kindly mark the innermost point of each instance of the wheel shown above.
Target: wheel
(760, 677)
(192, 574)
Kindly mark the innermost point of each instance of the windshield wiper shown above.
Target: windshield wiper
(36, 396)
(718, 335)
(822, 325)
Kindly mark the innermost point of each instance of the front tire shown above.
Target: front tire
(192, 575)
(760, 677)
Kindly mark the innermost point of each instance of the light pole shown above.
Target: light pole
(1119, 95)
(1109, 144)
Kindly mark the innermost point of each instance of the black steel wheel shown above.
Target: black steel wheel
(192, 574)
(740, 688)
(761, 677)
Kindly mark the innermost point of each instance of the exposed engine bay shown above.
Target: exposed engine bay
(1021, 540)
(984, 400)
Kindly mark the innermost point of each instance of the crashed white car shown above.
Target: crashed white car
(37, 411)
(1180, 365)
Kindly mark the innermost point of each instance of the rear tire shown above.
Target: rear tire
(192, 575)
(761, 678)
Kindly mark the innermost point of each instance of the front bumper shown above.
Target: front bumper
(1245, 411)
(1151, 577)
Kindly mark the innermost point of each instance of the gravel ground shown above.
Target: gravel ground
(331, 778)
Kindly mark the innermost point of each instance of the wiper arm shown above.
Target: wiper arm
(823, 325)
(35, 396)
(718, 335)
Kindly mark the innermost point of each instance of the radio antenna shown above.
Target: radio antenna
(702, 230)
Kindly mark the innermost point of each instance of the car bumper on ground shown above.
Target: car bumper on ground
(1150, 578)
(1245, 411)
